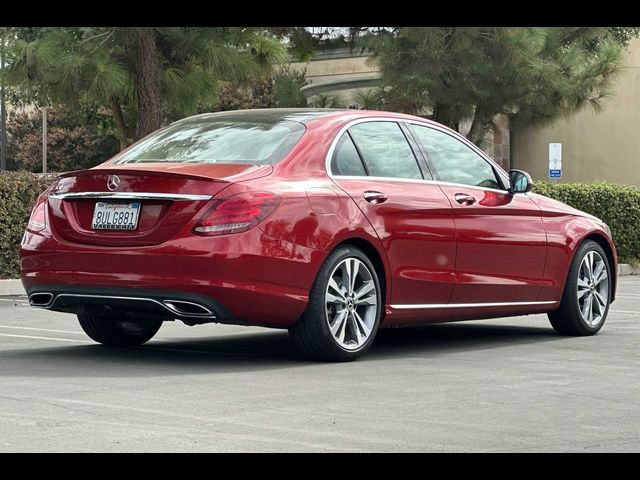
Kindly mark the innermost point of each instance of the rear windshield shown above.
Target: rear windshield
(220, 141)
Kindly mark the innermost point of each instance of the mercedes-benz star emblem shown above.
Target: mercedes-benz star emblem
(113, 182)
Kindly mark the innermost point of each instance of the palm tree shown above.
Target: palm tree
(327, 100)
(369, 99)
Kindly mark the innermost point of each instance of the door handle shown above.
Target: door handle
(374, 197)
(464, 198)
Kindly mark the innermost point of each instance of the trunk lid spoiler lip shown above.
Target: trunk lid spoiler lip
(135, 171)
(252, 171)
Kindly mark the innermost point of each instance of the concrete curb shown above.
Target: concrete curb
(14, 287)
(628, 269)
(11, 287)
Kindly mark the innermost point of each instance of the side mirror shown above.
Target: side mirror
(519, 182)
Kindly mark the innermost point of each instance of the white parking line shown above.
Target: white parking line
(44, 338)
(626, 312)
(41, 329)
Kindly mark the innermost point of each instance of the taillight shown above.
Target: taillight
(38, 220)
(237, 213)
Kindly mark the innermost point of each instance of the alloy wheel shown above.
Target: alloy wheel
(351, 303)
(593, 288)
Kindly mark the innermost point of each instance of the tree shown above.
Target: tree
(144, 76)
(287, 85)
(327, 100)
(531, 74)
(370, 98)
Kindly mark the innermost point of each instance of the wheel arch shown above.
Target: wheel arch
(604, 242)
(601, 239)
(376, 258)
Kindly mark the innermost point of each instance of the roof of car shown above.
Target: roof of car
(301, 115)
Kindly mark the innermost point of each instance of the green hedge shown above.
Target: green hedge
(617, 205)
(18, 193)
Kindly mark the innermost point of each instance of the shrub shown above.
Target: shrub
(75, 139)
(287, 88)
(279, 90)
(241, 97)
(617, 205)
(18, 193)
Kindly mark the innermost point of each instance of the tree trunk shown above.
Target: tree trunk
(148, 82)
(442, 114)
(124, 132)
(476, 127)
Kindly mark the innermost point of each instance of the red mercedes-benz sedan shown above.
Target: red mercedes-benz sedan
(330, 223)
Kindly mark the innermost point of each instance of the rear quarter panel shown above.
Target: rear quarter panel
(314, 217)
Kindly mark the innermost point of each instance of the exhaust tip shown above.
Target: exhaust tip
(188, 309)
(42, 299)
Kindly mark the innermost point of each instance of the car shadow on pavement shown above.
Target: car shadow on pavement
(207, 355)
(451, 338)
(254, 351)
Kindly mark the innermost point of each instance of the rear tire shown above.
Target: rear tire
(344, 310)
(587, 293)
(111, 328)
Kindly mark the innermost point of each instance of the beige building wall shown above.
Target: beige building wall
(335, 71)
(341, 68)
(595, 147)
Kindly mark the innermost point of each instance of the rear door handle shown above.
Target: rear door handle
(464, 198)
(374, 197)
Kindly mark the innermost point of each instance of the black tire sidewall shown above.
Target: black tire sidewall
(571, 291)
(103, 327)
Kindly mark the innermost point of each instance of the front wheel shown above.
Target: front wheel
(344, 310)
(587, 293)
(111, 328)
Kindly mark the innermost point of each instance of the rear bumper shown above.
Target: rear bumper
(247, 278)
(191, 307)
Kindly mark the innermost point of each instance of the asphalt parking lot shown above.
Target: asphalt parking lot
(494, 385)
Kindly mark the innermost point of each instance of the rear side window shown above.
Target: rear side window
(219, 141)
(385, 150)
(346, 160)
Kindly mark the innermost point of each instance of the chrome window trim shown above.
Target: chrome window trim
(334, 142)
(417, 180)
(131, 196)
(476, 187)
(384, 179)
(467, 305)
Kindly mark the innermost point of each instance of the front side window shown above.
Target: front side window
(454, 161)
(220, 141)
(385, 150)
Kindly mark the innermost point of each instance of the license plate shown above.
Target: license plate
(115, 216)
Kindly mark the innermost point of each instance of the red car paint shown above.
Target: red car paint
(510, 251)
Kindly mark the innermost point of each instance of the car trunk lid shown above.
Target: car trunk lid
(166, 198)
